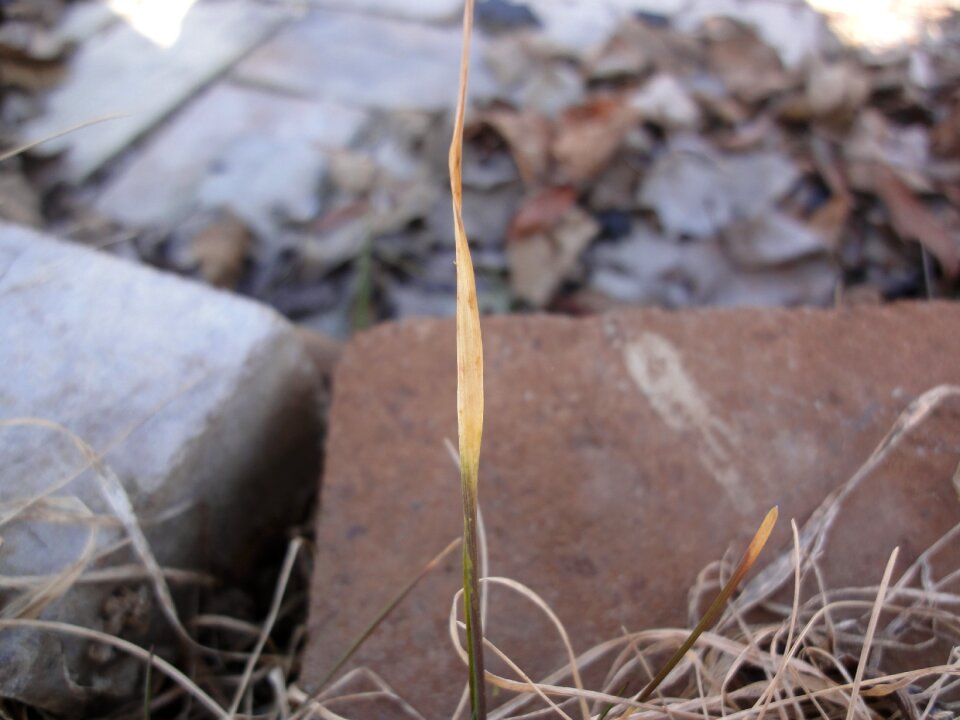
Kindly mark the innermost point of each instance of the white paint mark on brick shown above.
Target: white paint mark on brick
(657, 368)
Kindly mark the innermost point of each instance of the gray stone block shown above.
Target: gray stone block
(202, 405)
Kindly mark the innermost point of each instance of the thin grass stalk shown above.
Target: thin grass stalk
(713, 612)
(469, 394)
(382, 615)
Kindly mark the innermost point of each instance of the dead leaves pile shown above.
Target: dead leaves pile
(716, 174)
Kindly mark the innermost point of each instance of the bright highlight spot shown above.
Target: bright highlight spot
(159, 21)
(883, 24)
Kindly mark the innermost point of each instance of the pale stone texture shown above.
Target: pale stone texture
(190, 162)
(366, 61)
(147, 81)
(204, 405)
(425, 10)
(621, 455)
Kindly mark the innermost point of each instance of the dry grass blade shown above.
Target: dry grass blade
(814, 533)
(30, 145)
(542, 605)
(388, 608)
(125, 646)
(116, 496)
(713, 612)
(871, 629)
(281, 588)
(469, 390)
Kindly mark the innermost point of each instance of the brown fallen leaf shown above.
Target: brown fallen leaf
(830, 220)
(19, 202)
(827, 164)
(615, 188)
(587, 137)
(539, 263)
(637, 47)
(749, 68)
(30, 75)
(32, 40)
(527, 134)
(874, 140)
(912, 219)
(220, 250)
(541, 212)
(664, 101)
(747, 135)
(622, 56)
(836, 91)
(771, 239)
(945, 136)
(718, 104)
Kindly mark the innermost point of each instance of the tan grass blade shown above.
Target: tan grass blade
(34, 143)
(124, 646)
(264, 635)
(388, 608)
(871, 629)
(116, 496)
(713, 612)
(469, 391)
(469, 344)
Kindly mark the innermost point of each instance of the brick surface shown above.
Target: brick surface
(621, 454)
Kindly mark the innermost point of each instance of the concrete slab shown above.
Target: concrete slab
(161, 185)
(147, 80)
(204, 406)
(366, 61)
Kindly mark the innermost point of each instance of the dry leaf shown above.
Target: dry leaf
(19, 202)
(621, 56)
(912, 219)
(750, 68)
(588, 136)
(747, 135)
(664, 101)
(615, 188)
(31, 75)
(541, 212)
(221, 249)
(353, 172)
(874, 140)
(527, 134)
(945, 136)
(539, 263)
(637, 47)
(835, 91)
(771, 239)
(830, 220)
(697, 192)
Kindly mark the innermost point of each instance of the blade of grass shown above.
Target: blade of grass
(361, 312)
(34, 143)
(147, 680)
(713, 612)
(868, 636)
(469, 392)
(127, 647)
(388, 608)
(282, 582)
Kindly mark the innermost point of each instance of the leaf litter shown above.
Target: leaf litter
(656, 122)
